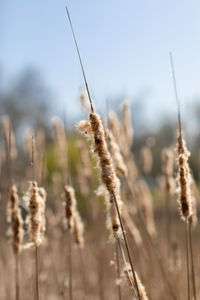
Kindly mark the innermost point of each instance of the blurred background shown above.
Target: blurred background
(124, 46)
(125, 49)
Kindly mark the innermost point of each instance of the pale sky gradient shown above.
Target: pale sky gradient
(124, 46)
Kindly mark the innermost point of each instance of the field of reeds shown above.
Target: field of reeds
(82, 218)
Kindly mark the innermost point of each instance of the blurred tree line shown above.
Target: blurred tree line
(27, 101)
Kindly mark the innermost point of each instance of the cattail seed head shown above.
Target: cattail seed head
(116, 155)
(108, 175)
(15, 218)
(78, 230)
(36, 204)
(70, 206)
(141, 287)
(184, 180)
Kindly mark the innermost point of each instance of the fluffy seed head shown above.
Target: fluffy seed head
(70, 206)
(184, 180)
(78, 230)
(36, 205)
(108, 176)
(15, 218)
(116, 155)
(141, 287)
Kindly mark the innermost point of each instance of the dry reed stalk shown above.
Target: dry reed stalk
(184, 180)
(134, 231)
(61, 143)
(36, 198)
(14, 217)
(146, 159)
(40, 154)
(74, 224)
(118, 272)
(151, 241)
(175, 262)
(10, 137)
(108, 175)
(2, 157)
(127, 124)
(84, 171)
(142, 289)
(169, 188)
(109, 179)
(146, 201)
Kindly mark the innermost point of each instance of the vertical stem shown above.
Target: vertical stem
(83, 271)
(118, 271)
(152, 242)
(127, 246)
(17, 276)
(36, 273)
(70, 265)
(192, 261)
(187, 258)
(168, 222)
(126, 266)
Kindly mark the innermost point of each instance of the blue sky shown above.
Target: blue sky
(124, 46)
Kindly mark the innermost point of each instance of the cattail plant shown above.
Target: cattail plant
(70, 209)
(74, 225)
(14, 217)
(36, 198)
(184, 187)
(108, 175)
